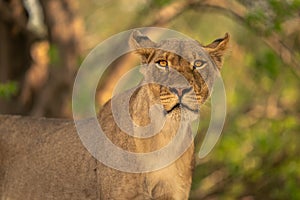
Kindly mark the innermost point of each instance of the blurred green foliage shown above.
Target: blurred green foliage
(161, 3)
(53, 54)
(268, 15)
(257, 156)
(7, 90)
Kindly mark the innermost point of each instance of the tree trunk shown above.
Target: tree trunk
(65, 32)
(15, 42)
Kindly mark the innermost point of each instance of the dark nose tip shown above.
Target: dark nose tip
(180, 91)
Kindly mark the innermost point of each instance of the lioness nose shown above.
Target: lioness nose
(180, 91)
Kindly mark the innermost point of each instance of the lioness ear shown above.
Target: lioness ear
(142, 45)
(217, 50)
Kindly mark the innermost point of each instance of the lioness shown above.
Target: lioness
(45, 159)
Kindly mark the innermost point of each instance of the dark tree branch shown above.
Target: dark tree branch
(168, 13)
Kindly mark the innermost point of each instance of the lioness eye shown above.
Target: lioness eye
(199, 64)
(162, 64)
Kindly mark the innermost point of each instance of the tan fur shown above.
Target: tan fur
(44, 158)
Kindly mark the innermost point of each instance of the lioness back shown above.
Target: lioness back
(44, 159)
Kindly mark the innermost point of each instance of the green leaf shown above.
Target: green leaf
(9, 89)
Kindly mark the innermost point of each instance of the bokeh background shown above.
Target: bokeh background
(43, 42)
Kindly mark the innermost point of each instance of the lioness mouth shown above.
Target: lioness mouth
(182, 105)
(174, 107)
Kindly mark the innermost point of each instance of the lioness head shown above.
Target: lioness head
(184, 70)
